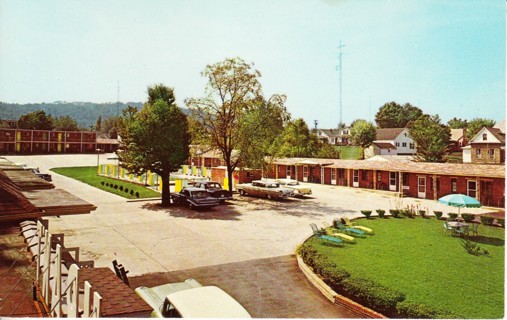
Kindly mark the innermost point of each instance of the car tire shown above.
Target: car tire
(242, 192)
(191, 206)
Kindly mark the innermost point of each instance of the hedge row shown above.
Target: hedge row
(368, 293)
(126, 190)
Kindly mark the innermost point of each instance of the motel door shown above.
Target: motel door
(305, 173)
(355, 178)
(393, 181)
(421, 187)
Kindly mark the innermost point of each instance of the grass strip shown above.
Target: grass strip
(122, 188)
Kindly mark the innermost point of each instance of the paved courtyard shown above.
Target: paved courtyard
(147, 238)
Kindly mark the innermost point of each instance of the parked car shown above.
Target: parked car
(264, 189)
(194, 198)
(215, 190)
(35, 171)
(190, 299)
(299, 190)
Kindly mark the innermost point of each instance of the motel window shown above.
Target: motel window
(472, 188)
(404, 144)
(491, 153)
(454, 185)
(478, 153)
(412, 146)
(379, 176)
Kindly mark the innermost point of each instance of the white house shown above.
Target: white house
(399, 138)
(338, 137)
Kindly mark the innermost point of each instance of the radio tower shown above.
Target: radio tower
(118, 98)
(339, 67)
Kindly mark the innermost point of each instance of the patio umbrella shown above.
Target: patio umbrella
(460, 201)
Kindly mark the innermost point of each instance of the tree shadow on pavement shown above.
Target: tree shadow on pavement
(221, 212)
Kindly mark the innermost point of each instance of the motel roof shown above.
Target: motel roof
(448, 169)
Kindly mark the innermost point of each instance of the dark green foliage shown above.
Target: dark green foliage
(366, 213)
(116, 186)
(438, 214)
(394, 115)
(422, 213)
(467, 217)
(137, 194)
(372, 295)
(381, 213)
(473, 248)
(102, 182)
(452, 216)
(126, 190)
(394, 212)
(121, 188)
(432, 138)
(65, 123)
(412, 310)
(362, 133)
(476, 124)
(487, 220)
(132, 192)
(37, 120)
(107, 184)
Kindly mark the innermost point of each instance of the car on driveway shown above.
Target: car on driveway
(190, 299)
(264, 189)
(299, 190)
(215, 190)
(194, 198)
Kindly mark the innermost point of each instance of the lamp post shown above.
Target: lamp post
(118, 162)
(98, 158)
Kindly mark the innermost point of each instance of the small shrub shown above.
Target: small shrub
(102, 182)
(438, 214)
(126, 190)
(467, 217)
(422, 213)
(473, 248)
(372, 295)
(487, 220)
(121, 188)
(115, 186)
(381, 213)
(501, 221)
(452, 216)
(394, 212)
(367, 213)
(412, 310)
(132, 192)
(137, 194)
(407, 213)
(107, 184)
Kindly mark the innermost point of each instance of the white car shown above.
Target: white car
(299, 190)
(190, 299)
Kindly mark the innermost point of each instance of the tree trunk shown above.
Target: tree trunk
(229, 177)
(166, 193)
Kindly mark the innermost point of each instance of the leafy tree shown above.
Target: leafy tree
(457, 123)
(394, 115)
(328, 151)
(98, 124)
(260, 128)
(155, 138)
(65, 123)
(362, 133)
(431, 137)
(232, 90)
(111, 126)
(37, 120)
(476, 124)
(297, 140)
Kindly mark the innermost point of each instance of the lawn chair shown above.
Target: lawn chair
(448, 228)
(351, 224)
(330, 231)
(321, 235)
(474, 228)
(350, 231)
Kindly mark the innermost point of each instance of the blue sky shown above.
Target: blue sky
(446, 57)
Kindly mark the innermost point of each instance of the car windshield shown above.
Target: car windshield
(214, 185)
(292, 183)
(273, 185)
(200, 194)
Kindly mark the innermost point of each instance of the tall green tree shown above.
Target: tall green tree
(232, 90)
(362, 133)
(98, 124)
(37, 120)
(431, 137)
(394, 115)
(297, 140)
(65, 123)
(156, 138)
(476, 124)
(457, 123)
(111, 126)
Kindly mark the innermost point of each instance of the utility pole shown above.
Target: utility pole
(315, 123)
(339, 67)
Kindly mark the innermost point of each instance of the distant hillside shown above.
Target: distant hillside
(85, 113)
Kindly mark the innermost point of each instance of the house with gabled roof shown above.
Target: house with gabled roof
(392, 141)
(337, 137)
(458, 140)
(486, 147)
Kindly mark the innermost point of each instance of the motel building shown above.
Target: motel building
(485, 182)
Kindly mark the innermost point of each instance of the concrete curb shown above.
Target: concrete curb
(334, 297)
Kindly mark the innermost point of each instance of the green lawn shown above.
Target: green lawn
(89, 176)
(350, 152)
(415, 257)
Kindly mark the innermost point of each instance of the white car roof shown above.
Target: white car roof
(207, 302)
